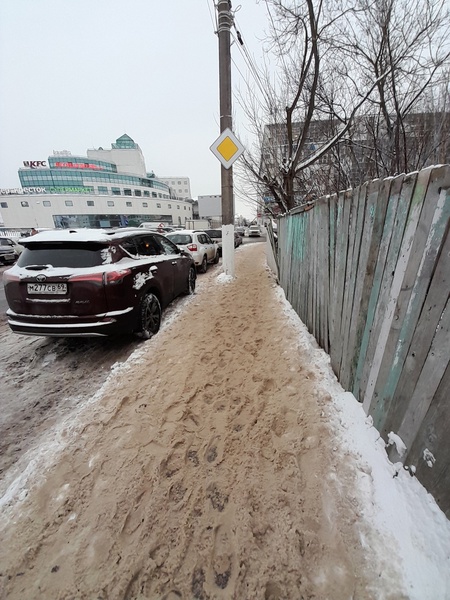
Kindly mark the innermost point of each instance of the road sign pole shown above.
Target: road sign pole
(225, 20)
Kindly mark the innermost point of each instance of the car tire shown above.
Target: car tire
(190, 287)
(204, 265)
(149, 317)
(216, 258)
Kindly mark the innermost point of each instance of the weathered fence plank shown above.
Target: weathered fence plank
(429, 380)
(358, 210)
(394, 232)
(371, 234)
(340, 270)
(325, 272)
(434, 430)
(379, 260)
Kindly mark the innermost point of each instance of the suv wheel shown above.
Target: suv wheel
(204, 265)
(216, 258)
(150, 316)
(190, 287)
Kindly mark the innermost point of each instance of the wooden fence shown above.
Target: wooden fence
(368, 272)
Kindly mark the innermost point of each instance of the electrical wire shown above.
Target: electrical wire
(213, 20)
(253, 69)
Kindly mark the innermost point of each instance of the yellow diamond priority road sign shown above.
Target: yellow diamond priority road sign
(227, 148)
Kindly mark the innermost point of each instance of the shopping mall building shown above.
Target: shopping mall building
(108, 188)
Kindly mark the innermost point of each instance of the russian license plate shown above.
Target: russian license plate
(47, 288)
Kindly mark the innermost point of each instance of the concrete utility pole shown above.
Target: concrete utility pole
(225, 20)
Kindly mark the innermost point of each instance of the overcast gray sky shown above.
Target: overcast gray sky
(78, 75)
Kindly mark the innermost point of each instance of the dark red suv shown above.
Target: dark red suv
(94, 282)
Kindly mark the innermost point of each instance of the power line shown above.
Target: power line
(213, 19)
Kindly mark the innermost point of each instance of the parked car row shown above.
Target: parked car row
(98, 282)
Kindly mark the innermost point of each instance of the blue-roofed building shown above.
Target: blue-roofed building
(106, 188)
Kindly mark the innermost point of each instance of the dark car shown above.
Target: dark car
(94, 282)
(216, 236)
(237, 239)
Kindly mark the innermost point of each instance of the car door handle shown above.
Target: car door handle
(153, 269)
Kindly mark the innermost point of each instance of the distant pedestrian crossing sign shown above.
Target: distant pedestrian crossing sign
(227, 148)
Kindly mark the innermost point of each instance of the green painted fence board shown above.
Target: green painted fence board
(358, 210)
(388, 203)
(374, 214)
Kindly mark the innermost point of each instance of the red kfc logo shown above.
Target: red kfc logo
(34, 164)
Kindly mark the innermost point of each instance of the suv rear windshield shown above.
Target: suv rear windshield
(179, 238)
(63, 254)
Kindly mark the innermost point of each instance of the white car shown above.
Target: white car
(254, 231)
(10, 250)
(198, 243)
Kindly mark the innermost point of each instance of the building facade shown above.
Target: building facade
(107, 188)
(210, 206)
(179, 186)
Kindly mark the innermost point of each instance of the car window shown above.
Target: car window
(169, 248)
(130, 247)
(214, 234)
(180, 238)
(63, 254)
(208, 239)
(147, 246)
(201, 238)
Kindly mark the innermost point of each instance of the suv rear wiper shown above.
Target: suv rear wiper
(37, 267)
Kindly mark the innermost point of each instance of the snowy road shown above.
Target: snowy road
(44, 379)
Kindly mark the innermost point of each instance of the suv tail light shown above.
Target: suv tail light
(192, 247)
(113, 277)
(109, 278)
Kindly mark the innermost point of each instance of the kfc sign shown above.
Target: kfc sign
(35, 164)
